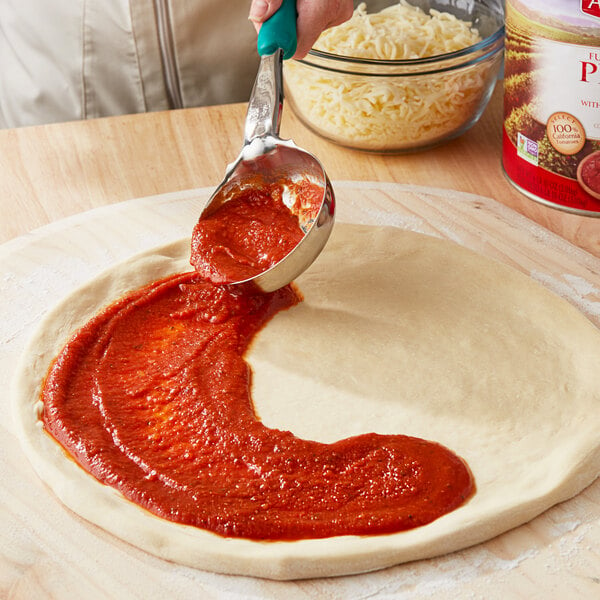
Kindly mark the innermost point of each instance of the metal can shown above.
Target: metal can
(551, 137)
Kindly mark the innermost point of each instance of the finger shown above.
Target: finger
(261, 10)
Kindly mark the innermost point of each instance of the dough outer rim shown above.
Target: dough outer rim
(341, 555)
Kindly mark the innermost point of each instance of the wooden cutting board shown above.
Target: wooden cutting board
(48, 552)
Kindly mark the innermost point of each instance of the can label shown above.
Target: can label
(590, 7)
(551, 140)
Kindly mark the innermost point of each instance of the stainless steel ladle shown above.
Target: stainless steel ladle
(267, 157)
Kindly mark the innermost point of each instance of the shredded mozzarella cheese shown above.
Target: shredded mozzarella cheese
(400, 31)
(385, 113)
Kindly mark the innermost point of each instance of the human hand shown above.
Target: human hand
(314, 16)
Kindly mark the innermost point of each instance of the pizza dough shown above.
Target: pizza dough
(399, 333)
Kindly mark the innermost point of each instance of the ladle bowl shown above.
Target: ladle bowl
(266, 158)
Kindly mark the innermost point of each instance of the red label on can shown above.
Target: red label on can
(546, 186)
(551, 146)
(591, 7)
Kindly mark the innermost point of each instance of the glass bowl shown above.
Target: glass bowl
(400, 105)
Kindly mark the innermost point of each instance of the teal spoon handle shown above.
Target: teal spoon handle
(279, 31)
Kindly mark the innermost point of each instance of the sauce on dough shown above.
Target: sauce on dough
(152, 397)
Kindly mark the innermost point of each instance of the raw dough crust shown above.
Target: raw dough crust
(399, 333)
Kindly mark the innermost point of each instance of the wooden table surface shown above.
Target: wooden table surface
(53, 171)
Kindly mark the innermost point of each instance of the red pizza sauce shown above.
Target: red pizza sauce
(152, 397)
(254, 230)
(590, 172)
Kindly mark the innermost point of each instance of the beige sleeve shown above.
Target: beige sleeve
(216, 53)
(66, 60)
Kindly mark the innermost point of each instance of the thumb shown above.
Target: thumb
(261, 10)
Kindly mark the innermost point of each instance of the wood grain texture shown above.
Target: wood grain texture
(48, 552)
(51, 171)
